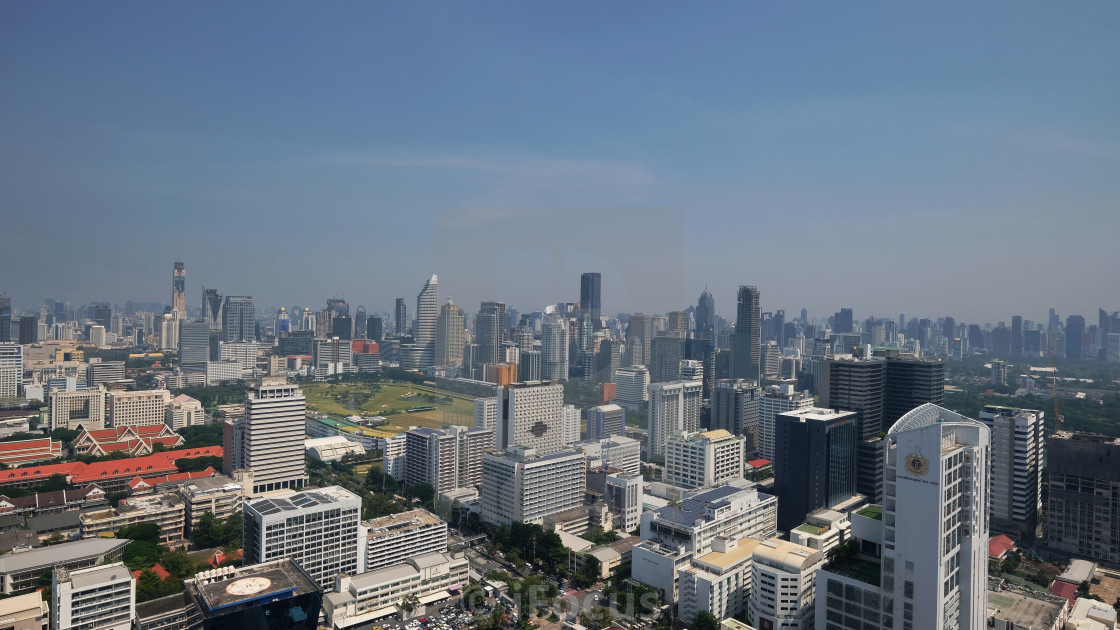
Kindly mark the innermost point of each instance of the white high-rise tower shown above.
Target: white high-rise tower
(427, 315)
(554, 348)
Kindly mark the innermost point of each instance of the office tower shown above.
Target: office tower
(842, 321)
(179, 289)
(488, 330)
(554, 348)
(317, 529)
(400, 318)
(238, 318)
(97, 336)
(910, 382)
(375, 329)
(1001, 341)
(104, 372)
(590, 298)
(775, 399)
(531, 415)
(666, 353)
(678, 321)
(360, 319)
(697, 460)
(608, 360)
(529, 366)
(604, 421)
(396, 538)
(307, 322)
(5, 319)
(623, 493)
(29, 329)
(11, 370)
(102, 314)
(283, 322)
(427, 315)
(704, 351)
(1016, 469)
(673, 406)
(735, 408)
(523, 486)
(212, 312)
(1075, 329)
(269, 439)
(632, 385)
(638, 338)
(769, 357)
(194, 345)
(342, 326)
(1112, 347)
(84, 408)
(814, 461)
(137, 408)
(846, 383)
(706, 316)
(1083, 509)
(935, 520)
(784, 585)
(449, 335)
(747, 338)
(100, 597)
(446, 459)
(1016, 335)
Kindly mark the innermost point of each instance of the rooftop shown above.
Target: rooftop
(396, 524)
(301, 500)
(250, 583)
(744, 548)
(55, 554)
(872, 511)
(96, 576)
(857, 568)
(785, 555)
(1024, 610)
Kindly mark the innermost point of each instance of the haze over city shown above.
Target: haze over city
(954, 159)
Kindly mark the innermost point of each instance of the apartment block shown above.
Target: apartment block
(696, 460)
(396, 538)
(138, 408)
(521, 486)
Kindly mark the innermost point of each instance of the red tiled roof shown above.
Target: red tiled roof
(1066, 590)
(154, 464)
(758, 463)
(24, 445)
(40, 472)
(198, 474)
(158, 570)
(999, 545)
(218, 558)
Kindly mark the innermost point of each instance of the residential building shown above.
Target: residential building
(746, 341)
(486, 413)
(269, 439)
(522, 486)
(446, 459)
(1083, 512)
(735, 408)
(718, 582)
(11, 370)
(184, 411)
(396, 538)
(631, 386)
(166, 510)
(101, 598)
(138, 408)
(318, 529)
(783, 585)
(605, 420)
(814, 462)
(1016, 469)
(776, 399)
(696, 460)
(450, 335)
(362, 598)
(531, 415)
(84, 408)
(554, 348)
(673, 406)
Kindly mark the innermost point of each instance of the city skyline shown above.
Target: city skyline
(823, 154)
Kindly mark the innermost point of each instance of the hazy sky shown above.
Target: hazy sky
(932, 159)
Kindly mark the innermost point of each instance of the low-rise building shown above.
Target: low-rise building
(366, 597)
(242, 597)
(1013, 609)
(579, 520)
(24, 612)
(21, 571)
(133, 440)
(102, 597)
(166, 510)
(220, 495)
(822, 530)
(184, 411)
(393, 539)
(25, 452)
(174, 612)
(332, 449)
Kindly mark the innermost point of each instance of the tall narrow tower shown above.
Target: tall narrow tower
(746, 343)
(179, 289)
(427, 315)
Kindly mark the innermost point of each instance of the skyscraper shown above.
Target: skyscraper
(1016, 479)
(673, 406)
(590, 299)
(735, 408)
(375, 329)
(706, 316)
(1016, 335)
(846, 383)
(5, 319)
(427, 315)
(814, 461)
(449, 335)
(179, 289)
(909, 382)
(1083, 509)
(554, 348)
(747, 339)
(488, 331)
(269, 439)
(842, 321)
(1075, 329)
(638, 338)
(238, 318)
(666, 354)
(212, 312)
(531, 415)
(400, 318)
(360, 318)
(194, 345)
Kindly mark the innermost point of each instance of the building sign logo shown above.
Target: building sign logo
(917, 464)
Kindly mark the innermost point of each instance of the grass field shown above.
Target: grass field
(347, 399)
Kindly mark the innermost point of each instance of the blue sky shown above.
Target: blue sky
(959, 158)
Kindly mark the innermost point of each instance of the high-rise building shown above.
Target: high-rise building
(747, 338)
(488, 332)
(446, 458)
(360, 318)
(673, 406)
(909, 382)
(638, 338)
(531, 415)
(842, 321)
(622, 491)
(486, 414)
(1083, 509)
(783, 585)
(1075, 330)
(375, 330)
(449, 335)
(1016, 335)
(846, 383)
(554, 348)
(604, 421)
(427, 316)
(5, 319)
(212, 312)
(100, 597)
(179, 289)
(607, 360)
(11, 370)
(775, 399)
(666, 354)
(814, 461)
(269, 439)
(400, 318)
(706, 316)
(317, 529)
(522, 486)
(590, 298)
(398, 537)
(137, 408)
(194, 345)
(29, 329)
(697, 460)
(1016, 469)
(84, 408)
(631, 385)
(735, 408)
(238, 318)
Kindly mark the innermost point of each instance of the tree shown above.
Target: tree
(705, 621)
(55, 539)
(422, 491)
(409, 603)
(114, 498)
(147, 531)
(141, 554)
(208, 532)
(178, 564)
(1010, 563)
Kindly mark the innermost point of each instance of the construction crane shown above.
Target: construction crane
(1054, 391)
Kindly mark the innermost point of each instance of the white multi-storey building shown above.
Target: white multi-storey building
(520, 486)
(777, 399)
(1016, 469)
(719, 581)
(243, 352)
(623, 493)
(531, 415)
(486, 413)
(269, 439)
(11, 370)
(427, 316)
(735, 408)
(631, 385)
(571, 425)
(605, 421)
(446, 459)
(101, 598)
(673, 406)
(138, 408)
(360, 599)
(695, 460)
(398, 537)
(620, 453)
(318, 529)
(783, 585)
(394, 455)
(85, 408)
(184, 411)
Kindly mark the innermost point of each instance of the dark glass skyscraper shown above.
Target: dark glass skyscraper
(814, 461)
(1016, 335)
(1075, 328)
(747, 339)
(374, 328)
(850, 384)
(400, 318)
(238, 318)
(706, 316)
(910, 383)
(590, 296)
